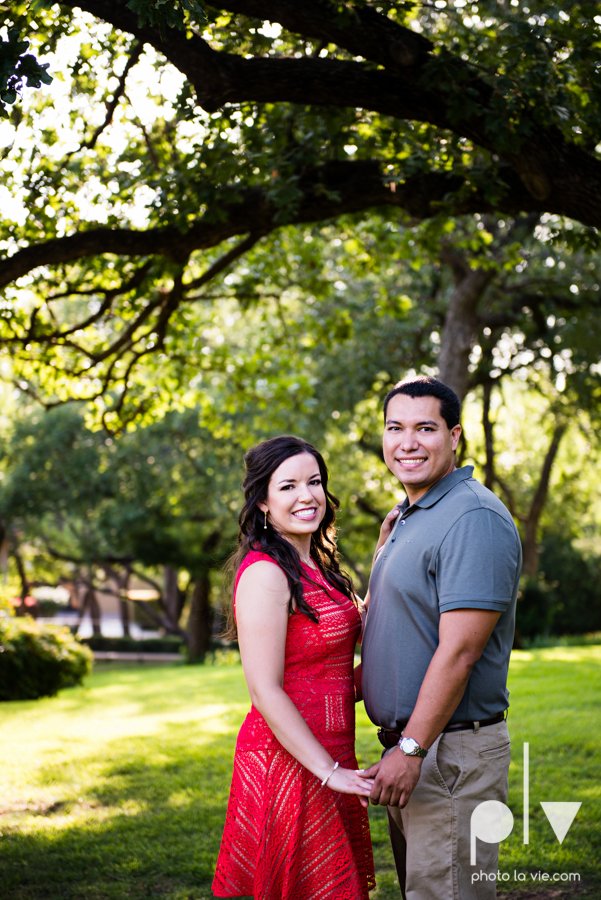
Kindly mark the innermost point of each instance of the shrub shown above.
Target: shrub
(565, 598)
(167, 644)
(39, 660)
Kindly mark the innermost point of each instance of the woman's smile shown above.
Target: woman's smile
(305, 514)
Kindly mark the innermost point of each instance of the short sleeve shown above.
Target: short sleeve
(478, 562)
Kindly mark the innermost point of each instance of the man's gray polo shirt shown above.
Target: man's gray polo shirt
(456, 547)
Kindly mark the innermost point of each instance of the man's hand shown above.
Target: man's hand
(395, 778)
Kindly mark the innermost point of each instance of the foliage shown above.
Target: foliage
(140, 194)
(18, 68)
(566, 599)
(154, 496)
(168, 13)
(38, 661)
(140, 791)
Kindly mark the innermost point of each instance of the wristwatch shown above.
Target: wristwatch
(410, 747)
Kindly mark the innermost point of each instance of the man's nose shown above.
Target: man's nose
(409, 441)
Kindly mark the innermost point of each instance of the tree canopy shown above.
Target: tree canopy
(185, 144)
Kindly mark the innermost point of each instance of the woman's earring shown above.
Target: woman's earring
(265, 525)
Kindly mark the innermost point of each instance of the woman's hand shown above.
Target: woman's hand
(386, 528)
(349, 781)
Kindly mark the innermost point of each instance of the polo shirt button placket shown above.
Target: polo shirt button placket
(402, 522)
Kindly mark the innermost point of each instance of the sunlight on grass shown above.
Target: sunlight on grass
(118, 789)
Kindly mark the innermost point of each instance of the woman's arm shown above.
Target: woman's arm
(262, 620)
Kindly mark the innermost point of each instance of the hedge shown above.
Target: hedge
(39, 660)
(168, 644)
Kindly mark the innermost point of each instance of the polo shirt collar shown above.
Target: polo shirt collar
(442, 487)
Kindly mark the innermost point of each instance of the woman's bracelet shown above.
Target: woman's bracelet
(327, 778)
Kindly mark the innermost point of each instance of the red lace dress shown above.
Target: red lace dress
(286, 837)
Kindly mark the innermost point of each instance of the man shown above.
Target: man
(436, 649)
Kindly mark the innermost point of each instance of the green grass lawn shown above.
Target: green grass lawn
(118, 789)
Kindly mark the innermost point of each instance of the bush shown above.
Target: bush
(39, 660)
(169, 644)
(565, 598)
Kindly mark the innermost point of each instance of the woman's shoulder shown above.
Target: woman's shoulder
(252, 557)
(256, 574)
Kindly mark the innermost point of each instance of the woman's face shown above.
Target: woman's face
(296, 501)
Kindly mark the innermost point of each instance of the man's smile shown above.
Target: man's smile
(411, 462)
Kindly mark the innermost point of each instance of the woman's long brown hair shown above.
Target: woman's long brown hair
(261, 462)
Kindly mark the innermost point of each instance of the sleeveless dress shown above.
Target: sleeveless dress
(286, 837)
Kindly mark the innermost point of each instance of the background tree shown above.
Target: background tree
(87, 509)
(289, 213)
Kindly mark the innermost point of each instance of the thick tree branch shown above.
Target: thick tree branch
(561, 175)
(328, 191)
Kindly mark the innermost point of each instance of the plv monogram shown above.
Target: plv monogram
(492, 821)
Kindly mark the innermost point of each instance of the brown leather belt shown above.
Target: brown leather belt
(389, 737)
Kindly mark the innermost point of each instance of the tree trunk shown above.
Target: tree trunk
(124, 611)
(173, 598)
(201, 620)
(461, 322)
(90, 603)
(487, 427)
(531, 549)
(22, 609)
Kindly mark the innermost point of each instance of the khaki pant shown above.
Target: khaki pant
(431, 835)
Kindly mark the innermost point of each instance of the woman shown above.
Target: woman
(296, 825)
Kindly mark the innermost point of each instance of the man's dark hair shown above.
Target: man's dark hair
(450, 407)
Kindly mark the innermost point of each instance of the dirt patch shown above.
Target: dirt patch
(46, 808)
(578, 890)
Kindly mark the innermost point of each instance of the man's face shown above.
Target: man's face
(418, 444)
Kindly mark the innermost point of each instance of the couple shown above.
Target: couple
(435, 652)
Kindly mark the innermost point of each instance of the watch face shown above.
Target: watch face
(409, 745)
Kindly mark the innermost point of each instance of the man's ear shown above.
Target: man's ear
(455, 435)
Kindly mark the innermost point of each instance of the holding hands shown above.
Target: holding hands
(393, 778)
(352, 781)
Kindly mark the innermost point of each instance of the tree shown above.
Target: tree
(79, 502)
(330, 110)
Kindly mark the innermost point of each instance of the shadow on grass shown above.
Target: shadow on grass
(153, 751)
(150, 826)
